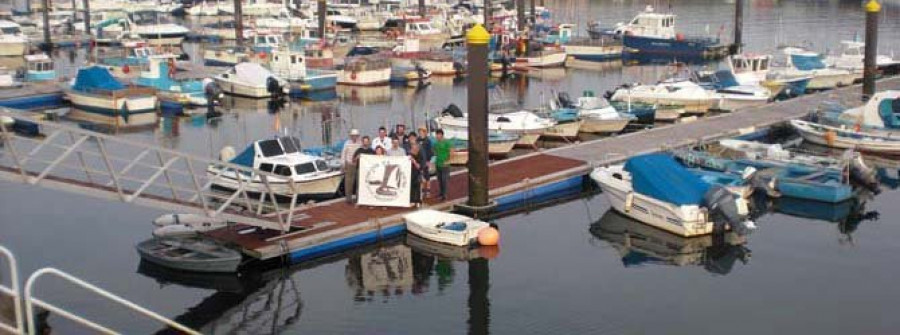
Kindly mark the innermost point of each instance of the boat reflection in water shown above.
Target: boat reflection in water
(847, 214)
(364, 95)
(387, 270)
(640, 244)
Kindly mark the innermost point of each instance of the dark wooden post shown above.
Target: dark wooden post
(87, 17)
(870, 68)
(534, 15)
(239, 22)
(48, 42)
(477, 45)
(520, 14)
(422, 8)
(738, 26)
(488, 15)
(322, 6)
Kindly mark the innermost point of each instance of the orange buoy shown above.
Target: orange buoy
(489, 236)
(488, 251)
(126, 69)
(262, 55)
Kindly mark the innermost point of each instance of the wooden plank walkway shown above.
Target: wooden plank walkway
(322, 219)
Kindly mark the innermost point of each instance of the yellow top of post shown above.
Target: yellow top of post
(872, 6)
(478, 35)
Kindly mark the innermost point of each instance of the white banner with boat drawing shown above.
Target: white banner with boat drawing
(384, 181)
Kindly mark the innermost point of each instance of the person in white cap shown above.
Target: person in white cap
(349, 165)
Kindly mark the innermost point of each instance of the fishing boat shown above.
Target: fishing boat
(449, 228)
(851, 58)
(847, 138)
(12, 41)
(252, 80)
(654, 33)
(291, 66)
(789, 179)
(180, 93)
(544, 58)
(600, 49)
(189, 254)
(295, 173)
(731, 94)
(98, 97)
(365, 71)
(804, 62)
(753, 69)
(859, 170)
(266, 43)
(683, 92)
(39, 67)
(408, 54)
(596, 114)
(657, 190)
(226, 56)
(526, 124)
(155, 28)
(880, 114)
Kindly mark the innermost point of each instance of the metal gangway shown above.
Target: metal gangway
(70, 159)
(24, 321)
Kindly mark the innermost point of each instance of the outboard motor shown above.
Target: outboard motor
(758, 183)
(421, 72)
(565, 100)
(862, 173)
(723, 208)
(459, 68)
(452, 110)
(214, 96)
(505, 64)
(274, 88)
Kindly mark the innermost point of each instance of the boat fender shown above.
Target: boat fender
(227, 153)
(629, 201)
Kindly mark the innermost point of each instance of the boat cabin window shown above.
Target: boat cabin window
(10, 30)
(266, 167)
(296, 60)
(270, 148)
(282, 170)
(321, 165)
(305, 168)
(40, 66)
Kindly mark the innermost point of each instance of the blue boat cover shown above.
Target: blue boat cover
(95, 78)
(246, 157)
(807, 62)
(661, 177)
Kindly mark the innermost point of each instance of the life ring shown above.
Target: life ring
(171, 67)
(353, 75)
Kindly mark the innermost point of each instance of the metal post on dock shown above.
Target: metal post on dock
(87, 16)
(738, 26)
(238, 22)
(48, 42)
(534, 15)
(321, 12)
(870, 68)
(477, 44)
(520, 15)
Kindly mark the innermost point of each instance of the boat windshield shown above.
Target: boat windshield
(290, 144)
(270, 148)
(10, 30)
(321, 165)
(305, 168)
(148, 18)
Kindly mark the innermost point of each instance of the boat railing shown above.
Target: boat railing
(25, 315)
(72, 159)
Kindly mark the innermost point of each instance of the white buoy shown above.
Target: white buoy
(7, 121)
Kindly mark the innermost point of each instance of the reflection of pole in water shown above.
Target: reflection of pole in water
(479, 303)
(327, 119)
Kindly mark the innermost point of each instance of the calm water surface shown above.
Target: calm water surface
(573, 267)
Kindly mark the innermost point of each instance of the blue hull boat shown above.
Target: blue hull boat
(791, 180)
(696, 47)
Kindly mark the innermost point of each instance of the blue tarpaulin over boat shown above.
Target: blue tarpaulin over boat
(245, 158)
(661, 177)
(807, 62)
(95, 78)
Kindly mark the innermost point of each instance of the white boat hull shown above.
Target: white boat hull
(860, 141)
(829, 81)
(735, 103)
(17, 48)
(685, 220)
(242, 90)
(425, 223)
(600, 126)
(547, 60)
(107, 110)
(323, 187)
(564, 130)
(365, 78)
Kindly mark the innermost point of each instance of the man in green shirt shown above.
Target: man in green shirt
(442, 148)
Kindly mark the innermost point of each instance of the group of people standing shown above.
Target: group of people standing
(428, 156)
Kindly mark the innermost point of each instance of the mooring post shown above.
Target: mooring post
(520, 15)
(477, 44)
(533, 15)
(738, 26)
(422, 8)
(87, 17)
(870, 69)
(488, 15)
(238, 22)
(48, 42)
(322, 6)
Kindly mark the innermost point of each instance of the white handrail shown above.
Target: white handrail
(14, 292)
(30, 301)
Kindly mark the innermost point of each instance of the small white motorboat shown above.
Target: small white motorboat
(444, 227)
(686, 93)
(657, 190)
(846, 138)
(252, 80)
(183, 225)
(190, 254)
